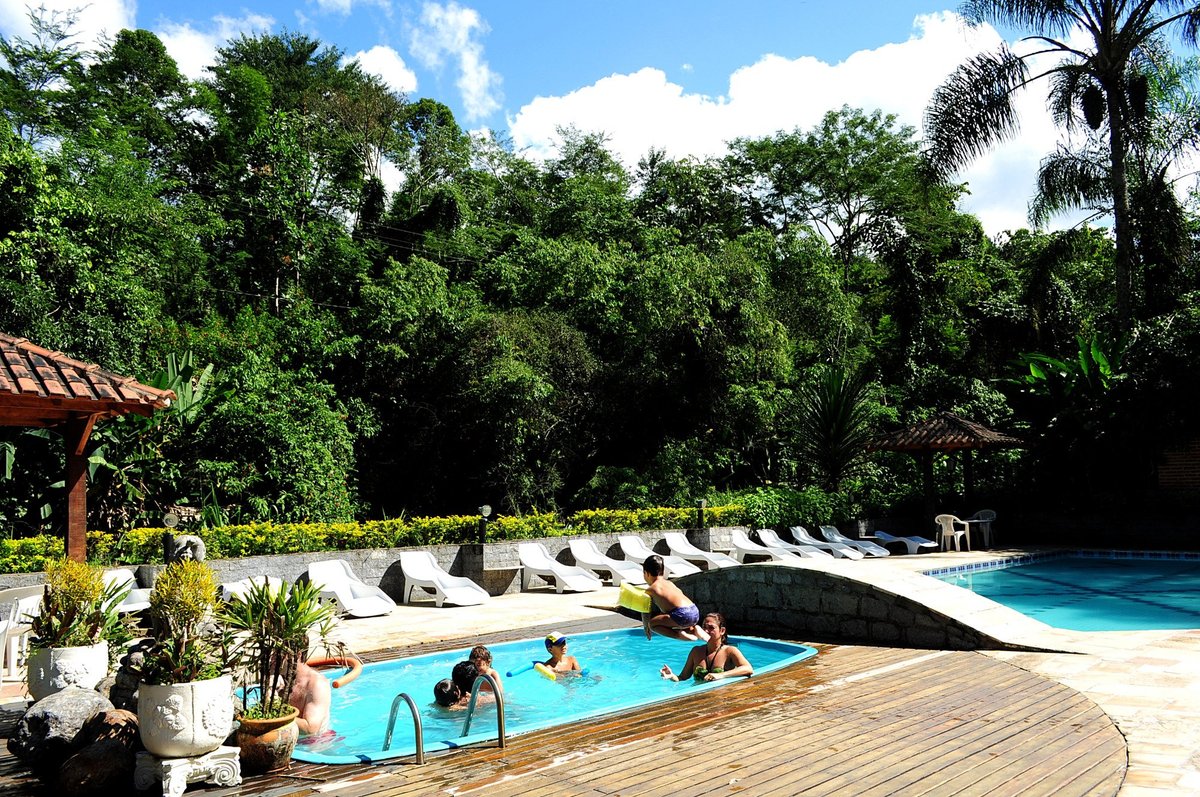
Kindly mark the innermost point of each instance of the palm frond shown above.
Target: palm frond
(1046, 16)
(1070, 180)
(973, 110)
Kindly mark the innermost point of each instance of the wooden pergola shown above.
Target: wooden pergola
(943, 433)
(44, 388)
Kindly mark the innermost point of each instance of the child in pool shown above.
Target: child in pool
(679, 616)
(713, 660)
(447, 694)
(559, 661)
(481, 657)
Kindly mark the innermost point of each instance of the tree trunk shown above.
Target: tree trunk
(1126, 256)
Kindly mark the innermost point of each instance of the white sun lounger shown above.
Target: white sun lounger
(913, 543)
(771, 539)
(866, 546)
(537, 561)
(422, 571)
(239, 588)
(636, 550)
(136, 599)
(588, 556)
(351, 594)
(801, 536)
(743, 546)
(681, 546)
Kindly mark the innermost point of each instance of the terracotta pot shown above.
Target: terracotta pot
(51, 670)
(185, 720)
(267, 745)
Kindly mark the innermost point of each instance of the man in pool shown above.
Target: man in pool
(311, 695)
(559, 661)
(679, 618)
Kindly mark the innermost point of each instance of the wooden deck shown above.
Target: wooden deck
(852, 721)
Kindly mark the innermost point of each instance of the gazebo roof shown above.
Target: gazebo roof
(943, 432)
(39, 387)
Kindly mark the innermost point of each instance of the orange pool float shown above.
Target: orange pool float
(339, 661)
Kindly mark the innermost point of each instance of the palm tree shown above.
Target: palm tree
(1102, 83)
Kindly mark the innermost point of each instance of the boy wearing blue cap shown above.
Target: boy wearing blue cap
(559, 661)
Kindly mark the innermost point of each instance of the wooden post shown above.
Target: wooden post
(75, 434)
(926, 459)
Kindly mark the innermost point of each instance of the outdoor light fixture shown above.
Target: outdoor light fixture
(485, 512)
(700, 504)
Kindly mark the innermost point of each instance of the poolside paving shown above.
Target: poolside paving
(887, 720)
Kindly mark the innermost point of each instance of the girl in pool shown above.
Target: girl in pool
(715, 659)
(559, 661)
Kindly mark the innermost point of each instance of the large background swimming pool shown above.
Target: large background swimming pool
(623, 672)
(1095, 594)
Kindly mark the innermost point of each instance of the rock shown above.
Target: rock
(46, 735)
(103, 767)
(116, 725)
(123, 692)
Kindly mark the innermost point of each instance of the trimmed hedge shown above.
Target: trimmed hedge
(144, 545)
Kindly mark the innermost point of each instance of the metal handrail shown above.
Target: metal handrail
(499, 705)
(417, 729)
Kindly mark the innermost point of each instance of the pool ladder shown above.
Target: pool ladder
(499, 705)
(417, 729)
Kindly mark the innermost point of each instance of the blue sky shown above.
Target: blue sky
(684, 76)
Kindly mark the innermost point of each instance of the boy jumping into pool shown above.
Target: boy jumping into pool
(680, 618)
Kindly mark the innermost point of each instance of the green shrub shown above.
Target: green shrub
(772, 507)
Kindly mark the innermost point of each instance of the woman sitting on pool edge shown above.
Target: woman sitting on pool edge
(559, 661)
(715, 659)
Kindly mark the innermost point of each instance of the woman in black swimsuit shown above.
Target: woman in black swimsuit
(715, 659)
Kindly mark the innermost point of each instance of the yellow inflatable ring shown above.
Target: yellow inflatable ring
(634, 598)
(339, 661)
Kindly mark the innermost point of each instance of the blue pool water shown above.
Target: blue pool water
(1094, 593)
(622, 672)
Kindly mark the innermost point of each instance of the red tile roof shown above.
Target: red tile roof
(39, 387)
(943, 432)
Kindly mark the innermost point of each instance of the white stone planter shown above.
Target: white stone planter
(184, 720)
(51, 670)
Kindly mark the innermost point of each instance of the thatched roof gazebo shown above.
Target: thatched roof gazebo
(945, 433)
(44, 388)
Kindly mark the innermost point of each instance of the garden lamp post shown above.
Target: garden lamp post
(484, 512)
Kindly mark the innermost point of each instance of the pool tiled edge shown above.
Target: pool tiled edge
(1041, 556)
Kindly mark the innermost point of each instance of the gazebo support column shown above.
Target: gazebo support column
(926, 460)
(75, 436)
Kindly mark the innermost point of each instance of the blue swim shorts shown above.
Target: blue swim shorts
(685, 616)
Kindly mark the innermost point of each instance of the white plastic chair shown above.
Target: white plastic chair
(637, 551)
(914, 544)
(537, 561)
(239, 588)
(137, 599)
(351, 594)
(951, 528)
(868, 548)
(422, 570)
(771, 539)
(588, 556)
(983, 519)
(839, 549)
(23, 603)
(743, 546)
(681, 546)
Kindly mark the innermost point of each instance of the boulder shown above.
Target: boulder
(103, 767)
(116, 725)
(47, 733)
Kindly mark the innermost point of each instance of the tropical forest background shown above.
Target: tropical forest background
(578, 333)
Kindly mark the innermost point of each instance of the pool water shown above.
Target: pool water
(1095, 594)
(622, 672)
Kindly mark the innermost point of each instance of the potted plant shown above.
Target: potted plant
(185, 694)
(70, 635)
(271, 628)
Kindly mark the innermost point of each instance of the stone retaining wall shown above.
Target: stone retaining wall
(818, 606)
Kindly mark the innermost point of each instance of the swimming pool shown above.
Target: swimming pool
(622, 673)
(1116, 592)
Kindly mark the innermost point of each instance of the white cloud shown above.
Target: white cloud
(644, 109)
(388, 65)
(453, 31)
(196, 48)
(94, 21)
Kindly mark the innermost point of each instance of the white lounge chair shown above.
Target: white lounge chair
(588, 556)
(422, 570)
(537, 561)
(239, 588)
(137, 599)
(743, 546)
(951, 528)
(637, 551)
(839, 549)
(912, 543)
(352, 595)
(23, 603)
(771, 539)
(868, 548)
(681, 546)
